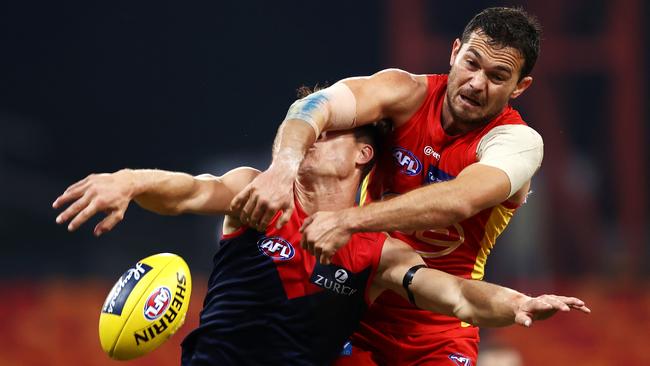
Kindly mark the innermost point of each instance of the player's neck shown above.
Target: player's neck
(452, 126)
(325, 193)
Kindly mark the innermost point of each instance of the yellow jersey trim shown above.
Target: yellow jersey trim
(499, 219)
(364, 190)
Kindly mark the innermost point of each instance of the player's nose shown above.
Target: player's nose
(478, 81)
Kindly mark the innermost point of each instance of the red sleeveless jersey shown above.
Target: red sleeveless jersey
(420, 153)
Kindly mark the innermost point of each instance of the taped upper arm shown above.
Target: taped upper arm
(517, 150)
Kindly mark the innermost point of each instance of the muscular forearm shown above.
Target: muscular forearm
(293, 139)
(433, 206)
(475, 302)
(488, 305)
(163, 192)
(437, 205)
(159, 191)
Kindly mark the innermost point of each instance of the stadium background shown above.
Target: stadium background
(201, 87)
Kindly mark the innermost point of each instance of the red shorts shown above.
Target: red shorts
(455, 347)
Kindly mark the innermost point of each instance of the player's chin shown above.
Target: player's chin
(469, 114)
(472, 117)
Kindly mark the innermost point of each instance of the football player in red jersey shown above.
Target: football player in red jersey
(328, 179)
(456, 131)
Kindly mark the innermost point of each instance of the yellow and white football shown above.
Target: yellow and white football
(146, 306)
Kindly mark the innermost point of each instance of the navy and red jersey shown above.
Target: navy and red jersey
(270, 303)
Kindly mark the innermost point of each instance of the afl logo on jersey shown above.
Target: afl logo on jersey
(157, 303)
(276, 248)
(409, 163)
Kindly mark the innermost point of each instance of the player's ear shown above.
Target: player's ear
(365, 155)
(455, 48)
(522, 85)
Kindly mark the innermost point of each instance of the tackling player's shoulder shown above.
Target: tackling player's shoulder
(407, 93)
(401, 81)
(401, 76)
(390, 93)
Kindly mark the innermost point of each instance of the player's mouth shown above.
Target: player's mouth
(469, 100)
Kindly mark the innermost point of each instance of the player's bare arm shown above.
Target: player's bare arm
(439, 205)
(475, 302)
(162, 192)
(434, 206)
(393, 94)
(508, 157)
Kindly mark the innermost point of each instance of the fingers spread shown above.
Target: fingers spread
(73, 209)
(79, 184)
(83, 216)
(69, 195)
(108, 223)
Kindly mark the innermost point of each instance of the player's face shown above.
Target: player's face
(335, 154)
(482, 79)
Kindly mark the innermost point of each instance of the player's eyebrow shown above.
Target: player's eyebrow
(476, 54)
(479, 57)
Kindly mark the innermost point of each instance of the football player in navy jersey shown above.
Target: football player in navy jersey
(269, 301)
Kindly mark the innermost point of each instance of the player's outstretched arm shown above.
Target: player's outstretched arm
(484, 304)
(163, 192)
(393, 94)
(475, 302)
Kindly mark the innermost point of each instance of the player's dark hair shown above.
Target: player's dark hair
(372, 134)
(304, 90)
(509, 27)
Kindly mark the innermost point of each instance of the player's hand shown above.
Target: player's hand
(323, 233)
(268, 193)
(108, 193)
(545, 306)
